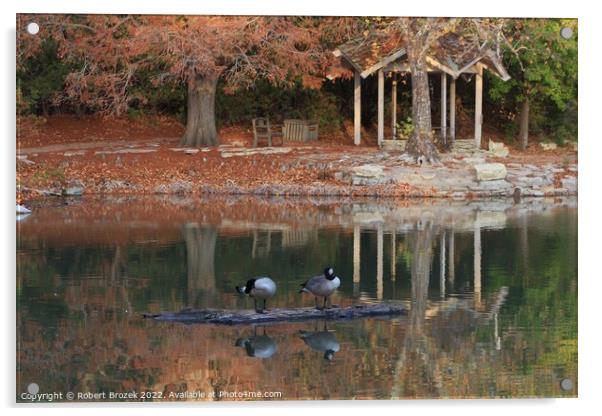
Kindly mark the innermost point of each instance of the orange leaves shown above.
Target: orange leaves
(109, 49)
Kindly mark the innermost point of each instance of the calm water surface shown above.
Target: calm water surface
(491, 289)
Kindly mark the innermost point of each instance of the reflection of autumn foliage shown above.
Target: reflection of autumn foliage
(80, 329)
(123, 353)
(113, 350)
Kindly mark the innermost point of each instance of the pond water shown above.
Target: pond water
(491, 289)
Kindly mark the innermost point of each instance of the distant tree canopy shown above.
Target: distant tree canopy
(543, 88)
(243, 67)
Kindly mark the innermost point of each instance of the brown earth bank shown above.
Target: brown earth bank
(66, 155)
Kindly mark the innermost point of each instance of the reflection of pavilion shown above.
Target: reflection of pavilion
(473, 222)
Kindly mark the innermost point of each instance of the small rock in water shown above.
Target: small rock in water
(21, 209)
(73, 191)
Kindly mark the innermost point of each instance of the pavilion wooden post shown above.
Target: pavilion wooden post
(451, 259)
(477, 264)
(381, 106)
(393, 257)
(357, 108)
(442, 266)
(478, 110)
(444, 108)
(496, 333)
(356, 254)
(379, 261)
(452, 111)
(394, 107)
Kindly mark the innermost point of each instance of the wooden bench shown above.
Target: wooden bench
(300, 130)
(263, 129)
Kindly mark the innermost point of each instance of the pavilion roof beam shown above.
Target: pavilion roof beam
(442, 67)
(384, 62)
(338, 53)
(500, 70)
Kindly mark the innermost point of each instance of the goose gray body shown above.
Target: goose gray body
(260, 346)
(322, 285)
(322, 341)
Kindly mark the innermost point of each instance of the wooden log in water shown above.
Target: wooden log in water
(245, 317)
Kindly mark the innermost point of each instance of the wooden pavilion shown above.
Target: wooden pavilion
(451, 56)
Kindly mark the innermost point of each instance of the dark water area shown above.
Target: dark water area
(490, 286)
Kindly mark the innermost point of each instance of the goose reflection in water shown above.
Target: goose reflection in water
(257, 346)
(322, 341)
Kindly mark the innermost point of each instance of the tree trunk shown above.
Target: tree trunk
(200, 119)
(200, 259)
(524, 124)
(420, 146)
(45, 112)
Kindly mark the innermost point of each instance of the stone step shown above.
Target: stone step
(394, 145)
(464, 145)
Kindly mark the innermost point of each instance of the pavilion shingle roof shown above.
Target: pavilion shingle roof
(452, 53)
(364, 52)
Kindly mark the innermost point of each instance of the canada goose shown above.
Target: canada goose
(260, 288)
(258, 346)
(322, 341)
(322, 285)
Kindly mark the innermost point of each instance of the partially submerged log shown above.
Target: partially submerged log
(245, 317)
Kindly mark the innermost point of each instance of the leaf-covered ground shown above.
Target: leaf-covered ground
(141, 156)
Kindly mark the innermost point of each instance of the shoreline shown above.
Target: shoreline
(371, 192)
(310, 170)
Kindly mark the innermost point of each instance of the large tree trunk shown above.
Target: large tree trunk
(200, 119)
(200, 259)
(523, 134)
(420, 146)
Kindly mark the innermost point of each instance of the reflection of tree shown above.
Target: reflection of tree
(118, 263)
(200, 255)
(421, 246)
(414, 358)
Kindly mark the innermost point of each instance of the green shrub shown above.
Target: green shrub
(510, 130)
(40, 80)
(405, 128)
(279, 103)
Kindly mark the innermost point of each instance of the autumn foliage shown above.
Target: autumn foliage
(195, 50)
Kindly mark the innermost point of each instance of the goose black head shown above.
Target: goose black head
(329, 355)
(329, 273)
